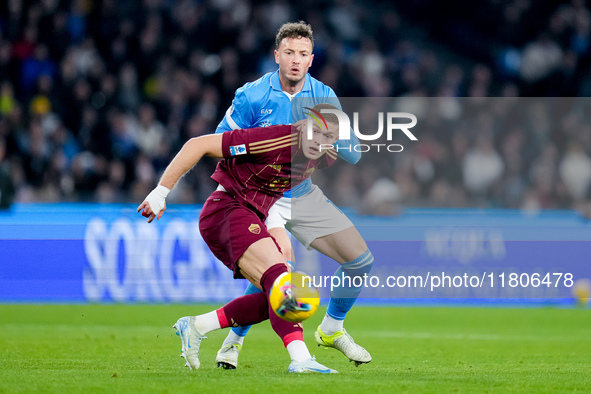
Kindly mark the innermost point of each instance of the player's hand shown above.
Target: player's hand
(298, 125)
(149, 213)
(154, 205)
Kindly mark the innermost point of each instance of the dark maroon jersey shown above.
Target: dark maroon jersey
(261, 163)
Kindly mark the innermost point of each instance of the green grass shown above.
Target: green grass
(124, 348)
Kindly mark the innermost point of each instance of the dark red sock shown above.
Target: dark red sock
(287, 331)
(270, 275)
(244, 311)
(252, 308)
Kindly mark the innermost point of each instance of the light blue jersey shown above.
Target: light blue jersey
(262, 103)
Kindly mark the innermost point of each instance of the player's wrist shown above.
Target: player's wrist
(157, 198)
(162, 191)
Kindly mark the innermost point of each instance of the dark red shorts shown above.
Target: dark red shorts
(229, 228)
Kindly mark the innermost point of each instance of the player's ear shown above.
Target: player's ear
(311, 59)
(276, 56)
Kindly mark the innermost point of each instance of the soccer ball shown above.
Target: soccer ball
(292, 298)
(582, 291)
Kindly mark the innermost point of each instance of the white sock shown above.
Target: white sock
(331, 325)
(233, 339)
(298, 351)
(207, 322)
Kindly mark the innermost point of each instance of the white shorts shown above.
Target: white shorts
(308, 217)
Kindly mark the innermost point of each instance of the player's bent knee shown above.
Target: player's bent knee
(259, 257)
(358, 243)
(359, 266)
(348, 287)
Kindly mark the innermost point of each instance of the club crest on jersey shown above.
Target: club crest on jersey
(266, 111)
(238, 150)
(254, 228)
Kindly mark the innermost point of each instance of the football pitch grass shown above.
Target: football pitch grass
(132, 348)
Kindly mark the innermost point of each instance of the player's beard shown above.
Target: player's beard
(292, 79)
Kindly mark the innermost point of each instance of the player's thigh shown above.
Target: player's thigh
(282, 239)
(258, 258)
(234, 233)
(315, 216)
(279, 215)
(342, 246)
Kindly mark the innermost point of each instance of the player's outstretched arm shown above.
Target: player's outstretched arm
(208, 145)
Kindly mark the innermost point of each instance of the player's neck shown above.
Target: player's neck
(290, 87)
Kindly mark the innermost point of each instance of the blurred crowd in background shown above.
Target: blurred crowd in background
(490, 152)
(96, 96)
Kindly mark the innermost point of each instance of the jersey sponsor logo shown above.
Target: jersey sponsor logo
(238, 150)
(266, 111)
(254, 228)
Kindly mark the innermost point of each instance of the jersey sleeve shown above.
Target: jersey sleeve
(256, 141)
(239, 115)
(345, 147)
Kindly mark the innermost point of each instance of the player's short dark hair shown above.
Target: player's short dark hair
(294, 30)
(332, 118)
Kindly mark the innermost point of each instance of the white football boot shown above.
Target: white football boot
(309, 366)
(227, 356)
(191, 340)
(342, 341)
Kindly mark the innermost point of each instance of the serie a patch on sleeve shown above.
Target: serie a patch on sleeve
(238, 150)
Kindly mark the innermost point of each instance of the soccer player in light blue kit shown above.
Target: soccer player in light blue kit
(319, 225)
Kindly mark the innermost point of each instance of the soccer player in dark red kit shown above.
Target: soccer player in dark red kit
(260, 164)
(316, 223)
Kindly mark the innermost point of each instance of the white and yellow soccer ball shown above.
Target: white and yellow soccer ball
(293, 297)
(582, 291)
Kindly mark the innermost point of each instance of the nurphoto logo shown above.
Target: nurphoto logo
(392, 125)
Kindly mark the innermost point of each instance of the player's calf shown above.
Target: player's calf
(331, 332)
